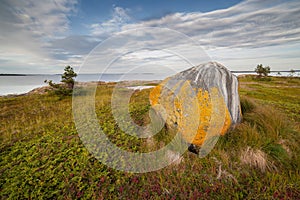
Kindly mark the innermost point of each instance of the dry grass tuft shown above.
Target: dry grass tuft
(285, 147)
(174, 157)
(222, 173)
(256, 158)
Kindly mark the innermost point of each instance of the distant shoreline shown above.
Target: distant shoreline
(13, 75)
(296, 70)
(26, 91)
(130, 84)
(78, 74)
(233, 71)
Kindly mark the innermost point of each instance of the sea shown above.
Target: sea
(19, 84)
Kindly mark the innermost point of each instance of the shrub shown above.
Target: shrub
(261, 70)
(67, 83)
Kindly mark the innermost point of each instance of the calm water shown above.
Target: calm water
(23, 84)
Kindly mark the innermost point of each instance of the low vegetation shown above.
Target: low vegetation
(43, 157)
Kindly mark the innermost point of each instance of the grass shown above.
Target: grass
(280, 92)
(43, 157)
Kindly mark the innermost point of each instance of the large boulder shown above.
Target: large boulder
(198, 102)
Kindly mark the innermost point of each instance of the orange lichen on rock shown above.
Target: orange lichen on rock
(199, 103)
(193, 112)
(214, 117)
(227, 122)
(154, 94)
(205, 106)
(188, 112)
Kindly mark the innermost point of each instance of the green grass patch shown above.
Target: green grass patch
(43, 157)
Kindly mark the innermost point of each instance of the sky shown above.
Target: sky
(118, 36)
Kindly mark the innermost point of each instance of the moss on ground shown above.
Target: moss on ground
(43, 157)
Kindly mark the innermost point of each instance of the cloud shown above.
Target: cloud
(72, 46)
(153, 47)
(119, 18)
(249, 24)
(42, 18)
(227, 35)
(28, 25)
(36, 35)
(240, 35)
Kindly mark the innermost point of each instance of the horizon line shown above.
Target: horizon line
(232, 71)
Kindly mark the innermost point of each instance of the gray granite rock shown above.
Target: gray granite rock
(199, 101)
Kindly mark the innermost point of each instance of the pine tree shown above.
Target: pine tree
(261, 70)
(68, 81)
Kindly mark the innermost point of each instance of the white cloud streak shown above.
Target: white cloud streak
(27, 26)
(37, 33)
(250, 24)
(119, 18)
